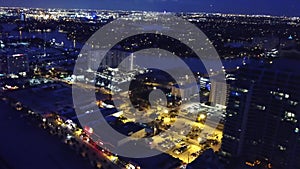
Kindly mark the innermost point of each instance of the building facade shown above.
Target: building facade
(13, 63)
(263, 113)
(218, 93)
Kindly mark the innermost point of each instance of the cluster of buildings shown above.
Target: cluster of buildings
(59, 14)
(261, 128)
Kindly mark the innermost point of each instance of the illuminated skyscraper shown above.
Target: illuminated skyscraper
(263, 113)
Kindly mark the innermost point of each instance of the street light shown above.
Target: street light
(201, 117)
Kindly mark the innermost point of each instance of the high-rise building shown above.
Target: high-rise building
(217, 93)
(263, 113)
(185, 91)
(17, 63)
(113, 59)
(13, 63)
(23, 17)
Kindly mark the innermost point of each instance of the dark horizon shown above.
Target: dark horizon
(277, 8)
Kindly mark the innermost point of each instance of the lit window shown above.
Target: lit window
(282, 148)
(244, 90)
(279, 95)
(286, 96)
(260, 107)
(235, 93)
(289, 116)
(293, 103)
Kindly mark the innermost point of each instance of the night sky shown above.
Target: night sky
(273, 7)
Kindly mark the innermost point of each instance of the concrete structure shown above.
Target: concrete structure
(13, 63)
(112, 59)
(262, 121)
(185, 91)
(218, 93)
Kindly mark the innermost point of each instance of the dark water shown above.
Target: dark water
(24, 145)
(58, 36)
(193, 63)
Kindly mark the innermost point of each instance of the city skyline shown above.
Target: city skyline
(278, 7)
(124, 89)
